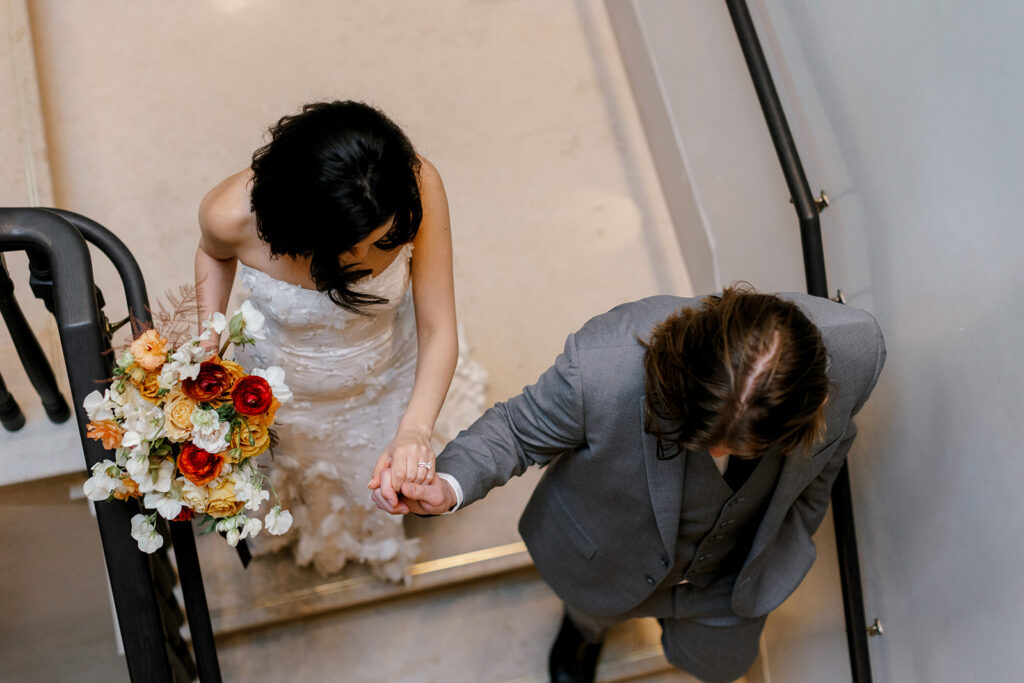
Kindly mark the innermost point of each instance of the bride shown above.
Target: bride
(334, 218)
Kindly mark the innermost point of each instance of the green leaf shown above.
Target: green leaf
(226, 412)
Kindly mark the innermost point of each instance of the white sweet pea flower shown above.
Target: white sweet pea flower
(216, 322)
(253, 319)
(148, 422)
(232, 536)
(275, 378)
(226, 524)
(104, 481)
(251, 528)
(212, 441)
(168, 377)
(164, 503)
(254, 496)
(188, 359)
(99, 406)
(144, 532)
(278, 521)
(164, 476)
(138, 468)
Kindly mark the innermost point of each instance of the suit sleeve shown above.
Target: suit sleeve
(539, 424)
(813, 502)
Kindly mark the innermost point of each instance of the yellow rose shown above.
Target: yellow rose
(251, 441)
(222, 503)
(149, 386)
(149, 350)
(235, 372)
(177, 410)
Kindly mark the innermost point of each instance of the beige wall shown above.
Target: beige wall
(522, 105)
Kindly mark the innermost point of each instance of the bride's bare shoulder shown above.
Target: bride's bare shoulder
(224, 214)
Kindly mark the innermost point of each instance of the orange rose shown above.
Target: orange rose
(212, 381)
(107, 431)
(149, 350)
(251, 441)
(198, 466)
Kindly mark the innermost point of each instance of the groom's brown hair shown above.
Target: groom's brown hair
(745, 371)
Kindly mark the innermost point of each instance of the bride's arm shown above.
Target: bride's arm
(434, 297)
(216, 256)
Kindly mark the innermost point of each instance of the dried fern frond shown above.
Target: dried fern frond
(177, 319)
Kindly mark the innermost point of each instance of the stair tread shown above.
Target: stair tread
(479, 542)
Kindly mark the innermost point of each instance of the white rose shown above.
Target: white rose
(212, 441)
(194, 496)
(204, 421)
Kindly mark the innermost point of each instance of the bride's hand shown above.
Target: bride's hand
(410, 458)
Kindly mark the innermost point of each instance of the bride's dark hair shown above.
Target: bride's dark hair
(330, 176)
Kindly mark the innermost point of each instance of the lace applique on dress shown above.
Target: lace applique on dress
(351, 376)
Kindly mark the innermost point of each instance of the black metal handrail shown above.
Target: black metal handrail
(61, 272)
(814, 270)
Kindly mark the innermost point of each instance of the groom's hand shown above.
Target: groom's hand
(434, 498)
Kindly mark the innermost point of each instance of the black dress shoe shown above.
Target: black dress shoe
(572, 658)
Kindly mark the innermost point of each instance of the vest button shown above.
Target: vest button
(649, 579)
(725, 523)
(715, 539)
(702, 558)
(664, 561)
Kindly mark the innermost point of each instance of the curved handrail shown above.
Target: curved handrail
(814, 271)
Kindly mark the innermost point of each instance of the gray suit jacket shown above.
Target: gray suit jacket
(601, 524)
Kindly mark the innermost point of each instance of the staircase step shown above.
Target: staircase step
(480, 542)
(494, 630)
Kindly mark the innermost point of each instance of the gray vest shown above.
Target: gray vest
(716, 523)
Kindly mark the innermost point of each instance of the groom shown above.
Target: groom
(691, 447)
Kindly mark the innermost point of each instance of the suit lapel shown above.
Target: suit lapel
(665, 481)
(798, 471)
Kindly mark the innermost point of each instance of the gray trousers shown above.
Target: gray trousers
(699, 631)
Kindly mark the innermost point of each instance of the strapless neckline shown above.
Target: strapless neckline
(402, 255)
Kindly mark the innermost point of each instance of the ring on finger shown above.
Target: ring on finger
(424, 464)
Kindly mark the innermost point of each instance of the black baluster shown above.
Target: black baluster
(11, 416)
(31, 354)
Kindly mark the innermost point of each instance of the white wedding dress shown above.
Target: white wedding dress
(351, 376)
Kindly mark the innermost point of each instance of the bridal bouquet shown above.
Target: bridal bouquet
(185, 427)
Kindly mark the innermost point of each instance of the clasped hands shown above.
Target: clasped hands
(404, 481)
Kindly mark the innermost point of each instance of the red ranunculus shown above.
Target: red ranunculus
(198, 466)
(185, 515)
(213, 380)
(252, 395)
